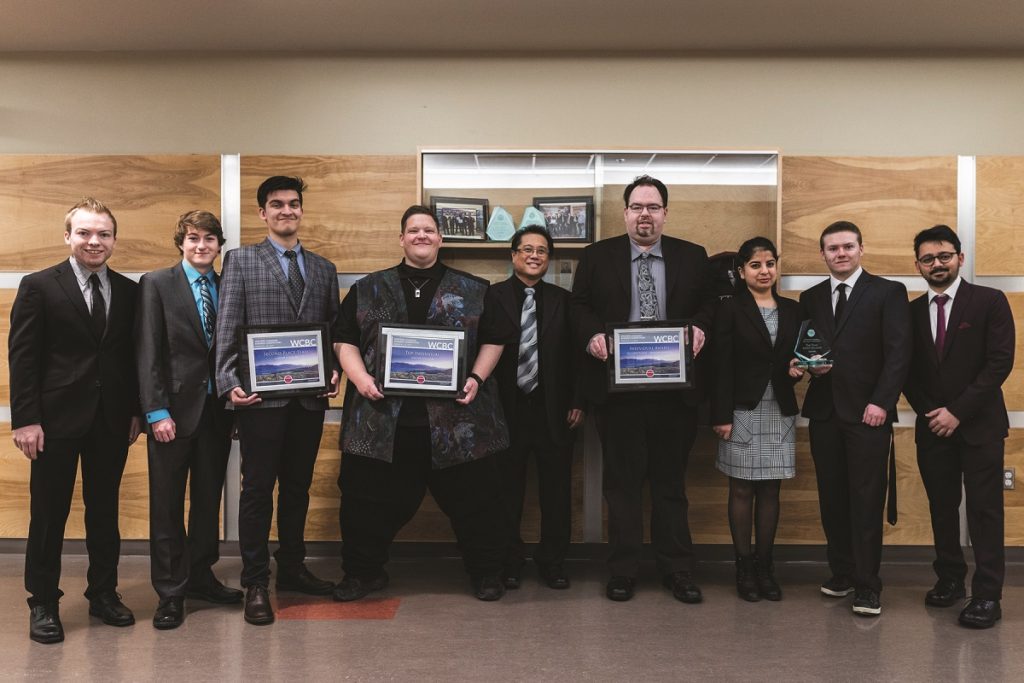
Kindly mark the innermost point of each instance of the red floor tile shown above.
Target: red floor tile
(320, 609)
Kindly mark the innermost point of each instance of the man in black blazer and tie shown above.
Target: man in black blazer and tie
(537, 385)
(963, 352)
(851, 407)
(643, 275)
(276, 281)
(189, 428)
(74, 394)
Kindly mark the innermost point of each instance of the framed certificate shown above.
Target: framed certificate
(288, 360)
(421, 360)
(653, 355)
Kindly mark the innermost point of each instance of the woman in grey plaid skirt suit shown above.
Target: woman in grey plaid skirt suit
(753, 409)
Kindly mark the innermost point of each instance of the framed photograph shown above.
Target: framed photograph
(460, 218)
(655, 355)
(288, 360)
(421, 360)
(569, 219)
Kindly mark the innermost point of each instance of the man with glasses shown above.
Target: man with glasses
(643, 275)
(963, 352)
(536, 382)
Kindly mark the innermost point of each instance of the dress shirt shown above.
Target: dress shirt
(850, 282)
(657, 275)
(933, 309)
(283, 260)
(82, 274)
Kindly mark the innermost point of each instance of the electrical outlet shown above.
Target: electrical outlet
(1009, 478)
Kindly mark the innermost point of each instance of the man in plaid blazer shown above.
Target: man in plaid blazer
(276, 281)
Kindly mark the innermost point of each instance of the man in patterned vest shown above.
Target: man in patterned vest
(395, 448)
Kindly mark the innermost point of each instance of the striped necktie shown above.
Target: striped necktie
(209, 310)
(526, 378)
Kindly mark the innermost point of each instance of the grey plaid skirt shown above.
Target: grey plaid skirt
(762, 444)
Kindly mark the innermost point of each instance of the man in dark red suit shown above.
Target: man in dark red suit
(963, 352)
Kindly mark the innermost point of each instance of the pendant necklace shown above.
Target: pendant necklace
(419, 286)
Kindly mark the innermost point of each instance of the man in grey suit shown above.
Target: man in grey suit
(276, 281)
(189, 428)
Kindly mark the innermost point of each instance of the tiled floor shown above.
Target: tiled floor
(427, 627)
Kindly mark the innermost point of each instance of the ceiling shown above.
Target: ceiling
(514, 27)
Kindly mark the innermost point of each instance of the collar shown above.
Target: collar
(950, 291)
(280, 250)
(850, 282)
(82, 273)
(434, 272)
(636, 252)
(191, 274)
(521, 286)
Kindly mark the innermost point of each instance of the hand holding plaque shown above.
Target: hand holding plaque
(811, 347)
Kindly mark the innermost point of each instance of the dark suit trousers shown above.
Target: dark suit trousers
(279, 445)
(530, 435)
(52, 483)
(378, 498)
(647, 437)
(944, 464)
(851, 465)
(201, 460)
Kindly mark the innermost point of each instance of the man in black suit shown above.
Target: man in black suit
(643, 275)
(73, 393)
(851, 408)
(277, 281)
(536, 382)
(189, 428)
(963, 352)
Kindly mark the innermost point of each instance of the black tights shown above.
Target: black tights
(753, 503)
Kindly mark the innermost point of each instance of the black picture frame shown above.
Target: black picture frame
(461, 219)
(419, 345)
(568, 219)
(650, 368)
(271, 348)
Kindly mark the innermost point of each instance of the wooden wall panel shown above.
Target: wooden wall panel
(352, 208)
(889, 198)
(999, 216)
(145, 193)
(1013, 388)
(6, 299)
(1014, 500)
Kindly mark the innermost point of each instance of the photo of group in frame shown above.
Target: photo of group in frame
(568, 219)
(421, 360)
(461, 218)
(287, 360)
(653, 355)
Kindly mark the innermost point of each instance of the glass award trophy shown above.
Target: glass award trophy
(501, 227)
(811, 347)
(532, 216)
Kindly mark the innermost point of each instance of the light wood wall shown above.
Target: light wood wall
(999, 222)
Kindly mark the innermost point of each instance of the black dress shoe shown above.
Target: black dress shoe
(981, 613)
(555, 577)
(511, 580)
(683, 588)
(302, 581)
(257, 606)
(620, 588)
(109, 608)
(488, 588)
(44, 624)
(214, 591)
(945, 593)
(170, 613)
(353, 588)
(746, 579)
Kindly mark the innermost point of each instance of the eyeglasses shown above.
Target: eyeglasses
(530, 251)
(651, 208)
(943, 258)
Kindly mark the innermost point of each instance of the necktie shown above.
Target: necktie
(841, 301)
(526, 378)
(940, 322)
(99, 307)
(295, 281)
(645, 286)
(209, 311)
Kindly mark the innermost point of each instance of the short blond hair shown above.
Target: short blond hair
(92, 205)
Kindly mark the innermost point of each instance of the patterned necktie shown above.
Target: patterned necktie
(295, 281)
(841, 301)
(527, 375)
(940, 322)
(99, 307)
(209, 310)
(645, 286)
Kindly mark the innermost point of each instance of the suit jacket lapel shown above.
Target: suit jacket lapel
(856, 294)
(507, 297)
(750, 309)
(921, 320)
(671, 258)
(313, 282)
(271, 262)
(551, 308)
(623, 265)
(187, 302)
(823, 309)
(69, 283)
(960, 304)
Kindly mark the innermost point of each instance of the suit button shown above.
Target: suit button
(98, 384)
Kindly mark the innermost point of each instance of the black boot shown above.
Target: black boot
(746, 582)
(766, 584)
